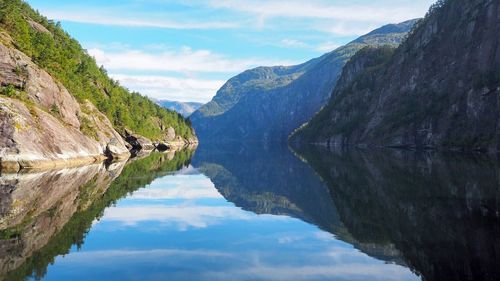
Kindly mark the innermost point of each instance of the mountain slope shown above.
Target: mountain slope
(53, 50)
(438, 89)
(268, 103)
(183, 108)
(58, 108)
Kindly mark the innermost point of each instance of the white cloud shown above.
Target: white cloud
(171, 88)
(97, 17)
(179, 187)
(185, 60)
(343, 271)
(338, 19)
(182, 216)
(327, 46)
(375, 11)
(293, 43)
(113, 256)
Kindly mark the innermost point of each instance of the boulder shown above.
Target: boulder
(115, 150)
(138, 142)
(170, 134)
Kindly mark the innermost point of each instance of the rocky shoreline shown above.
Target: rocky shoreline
(10, 166)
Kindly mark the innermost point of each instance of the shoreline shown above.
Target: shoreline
(42, 165)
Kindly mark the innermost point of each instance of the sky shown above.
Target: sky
(185, 50)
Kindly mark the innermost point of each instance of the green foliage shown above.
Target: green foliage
(9, 91)
(54, 110)
(12, 92)
(64, 58)
(87, 128)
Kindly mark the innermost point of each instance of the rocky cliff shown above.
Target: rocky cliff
(440, 88)
(58, 108)
(268, 103)
(42, 125)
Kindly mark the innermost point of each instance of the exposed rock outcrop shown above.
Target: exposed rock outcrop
(138, 142)
(42, 125)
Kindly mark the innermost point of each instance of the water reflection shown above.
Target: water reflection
(181, 227)
(44, 215)
(441, 211)
(256, 213)
(271, 180)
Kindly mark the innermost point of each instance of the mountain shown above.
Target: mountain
(439, 89)
(268, 103)
(183, 108)
(58, 108)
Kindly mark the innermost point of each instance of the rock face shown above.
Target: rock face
(42, 125)
(439, 89)
(268, 103)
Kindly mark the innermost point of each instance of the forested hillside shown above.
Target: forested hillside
(51, 48)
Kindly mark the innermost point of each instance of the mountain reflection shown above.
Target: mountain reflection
(441, 211)
(438, 215)
(43, 215)
(272, 180)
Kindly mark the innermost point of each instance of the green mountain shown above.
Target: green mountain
(53, 50)
(268, 103)
(439, 89)
(58, 108)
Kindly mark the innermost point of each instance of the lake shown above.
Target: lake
(238, 212)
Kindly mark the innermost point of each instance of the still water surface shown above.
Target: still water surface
(256, 213)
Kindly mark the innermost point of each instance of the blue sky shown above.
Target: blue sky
(186, 50)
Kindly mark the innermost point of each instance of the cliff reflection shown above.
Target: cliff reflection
(441, 211)
(43, 215)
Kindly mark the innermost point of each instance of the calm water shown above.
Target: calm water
(256, 213)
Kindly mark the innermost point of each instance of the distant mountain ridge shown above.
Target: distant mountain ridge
(183, 108)
(268, 103)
